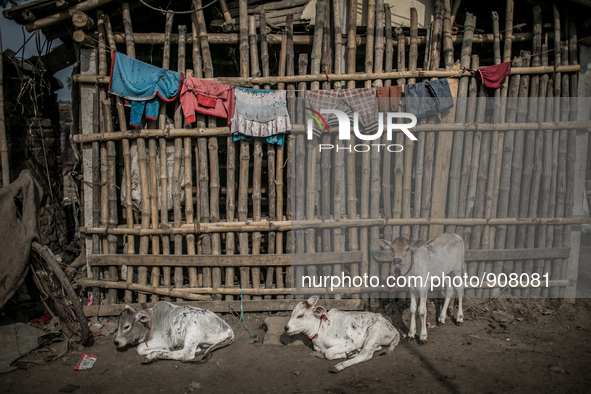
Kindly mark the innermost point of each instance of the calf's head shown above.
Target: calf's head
(305, 317)
(403, 250)
(133, 327)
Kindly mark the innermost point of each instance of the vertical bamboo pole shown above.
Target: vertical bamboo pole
(209, 243)
(3, 143)
(264, 46)
(109, 188)
(312, 155)
(552, 102)
(244, 148)
(126, 164)
(560, 238)
(130, 49)
(448, 46)
(338, 40)
(536, 138)
(513, 238)
(243, 18)
(508, 36)
(571, 51)
(498, 107)
(297, 174)
(420, 161)
(434, 60)
(339, 166)
(387, 159)
(471, 157)
(557, 61)
(326, 57)
(289, 69)
(456, 172)
(369, 40)
(379, 41)
(388, 61)
(474, 116)
(192, 246)
(96, 192)
(258, 163)
(230, 208)
(104, 167)
(542, 161)
(271, 271)
(352, 45)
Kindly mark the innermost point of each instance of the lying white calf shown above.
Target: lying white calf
(337, 334)
(172, 332)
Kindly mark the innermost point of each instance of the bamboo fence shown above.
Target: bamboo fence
(243, 221)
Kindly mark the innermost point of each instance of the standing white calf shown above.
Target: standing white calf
(420, 261)
(172, 332)
(338, 334)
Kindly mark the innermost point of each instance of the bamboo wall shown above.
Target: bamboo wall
(247, 208)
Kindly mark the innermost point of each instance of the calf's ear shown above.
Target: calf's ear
(313, 300)
(319, 311)
(384, 244)
(143, 317)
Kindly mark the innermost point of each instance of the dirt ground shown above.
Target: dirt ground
(514, 345)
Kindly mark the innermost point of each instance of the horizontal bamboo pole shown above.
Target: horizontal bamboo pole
(330, 258)
(237, 81)
(275, 39)
(223, 260)
(143, 288)
(229, 306)
(496, 254)
(286, 225)
(299, 128)
(192, 292)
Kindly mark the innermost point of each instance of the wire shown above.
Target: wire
(177, 12)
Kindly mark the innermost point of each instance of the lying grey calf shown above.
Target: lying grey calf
(339, 334)
(172, 332)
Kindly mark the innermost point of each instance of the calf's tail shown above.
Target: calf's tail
(225, 342)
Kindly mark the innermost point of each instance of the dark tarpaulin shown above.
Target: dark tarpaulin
(19, 206)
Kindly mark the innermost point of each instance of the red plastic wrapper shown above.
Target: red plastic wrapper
(86, 362)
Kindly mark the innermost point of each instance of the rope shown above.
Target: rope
(177, 12)
(242, 321)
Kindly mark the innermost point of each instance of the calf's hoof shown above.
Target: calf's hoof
(146, 360)
(409, 338)
(422, 341)
(334, 370)
(459, 322)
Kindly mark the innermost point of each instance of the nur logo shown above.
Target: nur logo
(345, 129)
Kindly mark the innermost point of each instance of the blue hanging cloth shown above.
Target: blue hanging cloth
(142, 83)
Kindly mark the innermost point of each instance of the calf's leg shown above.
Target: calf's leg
(423, 316)
(413, 324)
(449, 292)
(372, 341)
(460, 316)
(339, 351)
